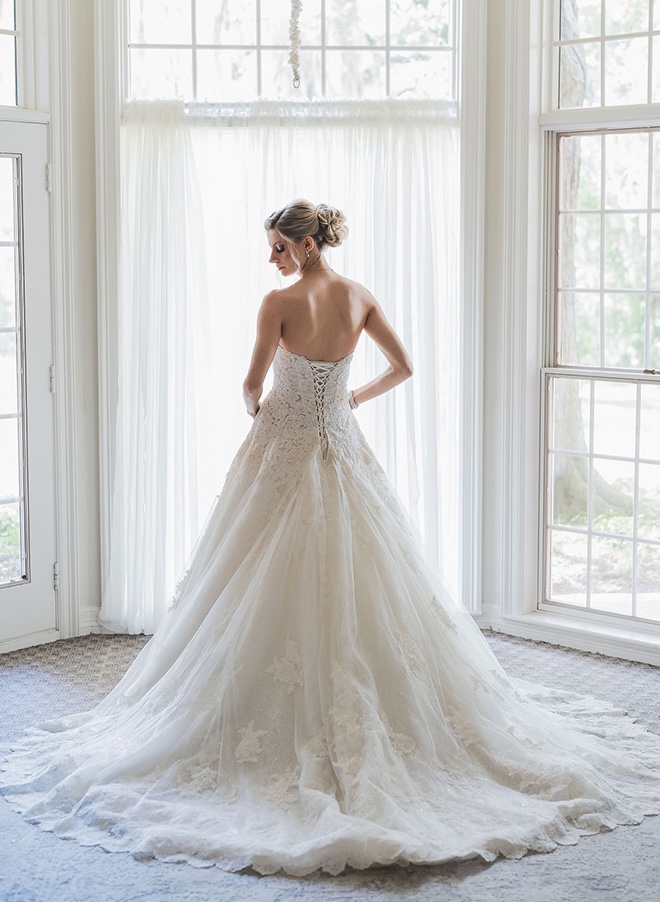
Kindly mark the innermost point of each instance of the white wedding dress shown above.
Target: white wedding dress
(315, 700)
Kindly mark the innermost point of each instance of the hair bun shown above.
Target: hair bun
(332, 225)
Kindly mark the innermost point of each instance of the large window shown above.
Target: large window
(238, 50)
(602, 384)
(373, 130)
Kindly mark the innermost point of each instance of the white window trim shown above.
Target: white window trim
(110, 84)
(513, 429)
(44, 72)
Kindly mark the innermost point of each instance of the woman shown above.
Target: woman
(315, 700)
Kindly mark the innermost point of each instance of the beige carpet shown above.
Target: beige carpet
(71, 675)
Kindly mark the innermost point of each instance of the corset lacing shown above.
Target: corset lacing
(321, 370)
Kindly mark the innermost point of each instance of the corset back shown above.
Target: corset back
(309, 396)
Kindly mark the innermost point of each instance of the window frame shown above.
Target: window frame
(515, 411)
(596, 124)
(388, 48)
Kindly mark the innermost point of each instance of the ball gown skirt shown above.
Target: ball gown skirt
(315, 699)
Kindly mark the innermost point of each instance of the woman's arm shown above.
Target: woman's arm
(269, 330)
(400, 365)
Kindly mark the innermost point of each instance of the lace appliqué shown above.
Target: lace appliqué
(401, 742)
(197, 778)
(288, 670)
(466, 733)
(440, 609)
(411, 654)
(283, 790)
(249, 748)
(346, 716)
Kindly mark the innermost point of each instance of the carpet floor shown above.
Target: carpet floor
(71, 675)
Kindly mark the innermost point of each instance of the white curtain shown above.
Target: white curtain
(164, 375)
(393, 168)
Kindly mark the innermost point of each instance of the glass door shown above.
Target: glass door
(28, 569)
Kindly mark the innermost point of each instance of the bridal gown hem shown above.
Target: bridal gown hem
(316, 700)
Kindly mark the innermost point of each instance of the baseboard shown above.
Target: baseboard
(89, 621)
(572, 632)
(29, 640)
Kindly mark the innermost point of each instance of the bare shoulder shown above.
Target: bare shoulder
(358, 292)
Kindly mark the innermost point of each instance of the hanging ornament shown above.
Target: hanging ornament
(294, 41)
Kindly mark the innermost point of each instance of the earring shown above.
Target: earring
(307, 254)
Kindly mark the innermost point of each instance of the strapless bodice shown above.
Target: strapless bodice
(309, 396)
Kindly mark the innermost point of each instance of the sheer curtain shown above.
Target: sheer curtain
(162, 439)
(393, 168)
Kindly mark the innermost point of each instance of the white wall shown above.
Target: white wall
(493, 501)
(86, 582)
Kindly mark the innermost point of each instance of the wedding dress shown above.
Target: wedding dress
(316, 700)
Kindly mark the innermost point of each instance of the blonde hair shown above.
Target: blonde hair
(299, 218)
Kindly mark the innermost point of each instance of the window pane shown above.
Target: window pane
(612, 496)
(580, 175)
(655, 87)
(625, 316)
(569, 414)
(275, 22)
(580, 20)
(626, 71)
(568, 567)
(7, 15)
(624, 16)
(569, 480)
(579, 250)
(356, 74)
(10, 543)
(648, 581)
(226, 75)
(648, 511)
(7, 288)
(9, 469)
(7, 212)
(655, 250)
(421, 75)
(578, 336)
(161, 74)
(614, 418)
(655, 148)
(230, 22)
(649, 434)
(7, 70)
(160, 22)
(625, 251)
(277, 78)
(653, 363)
(355, 22)
(420, 23)
(626, 172)
(579, 81)
(611, 575)
(8, 370)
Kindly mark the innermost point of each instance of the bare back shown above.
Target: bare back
(323, 316)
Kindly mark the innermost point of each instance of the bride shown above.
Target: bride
(315, 699)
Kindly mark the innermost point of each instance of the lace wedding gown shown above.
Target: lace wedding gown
(315, 700)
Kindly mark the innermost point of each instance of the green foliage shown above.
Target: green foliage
(10, 543)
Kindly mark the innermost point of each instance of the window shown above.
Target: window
(238, 50)
(8, 80)
(608, 53)
(13, 553)
(602, 385)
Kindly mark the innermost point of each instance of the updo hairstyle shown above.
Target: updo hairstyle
(326, 225)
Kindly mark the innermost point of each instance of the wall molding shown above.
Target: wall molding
(64, 346)
(472, 117)
(107, 57)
